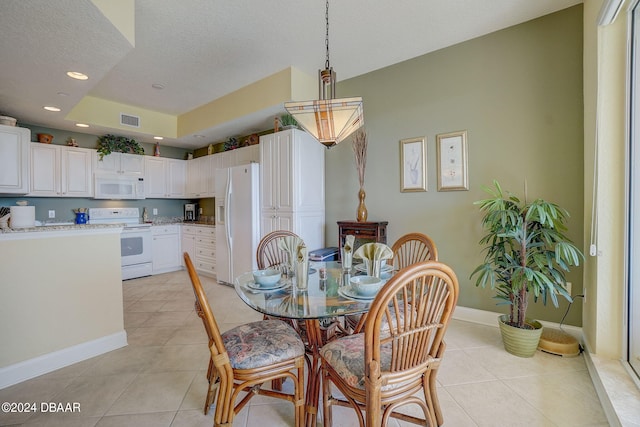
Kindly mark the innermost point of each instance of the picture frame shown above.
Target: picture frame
(451, 153)
(413, 165)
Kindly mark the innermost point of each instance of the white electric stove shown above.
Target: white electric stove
(135, 240)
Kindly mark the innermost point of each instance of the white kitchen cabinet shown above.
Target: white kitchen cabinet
(292, 185)
(199, 242)
(132, 164)
(14, 160)
(246, 155)
(189, 241)
(60, 171)
(164, 178)
(200, 177)
(165, 247)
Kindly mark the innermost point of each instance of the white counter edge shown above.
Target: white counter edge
(28, 369)
(38, 234)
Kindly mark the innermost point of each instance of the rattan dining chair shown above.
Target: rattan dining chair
(268, 253)
(408, 249)
(413, 248)
(380, 369)
(246, 357)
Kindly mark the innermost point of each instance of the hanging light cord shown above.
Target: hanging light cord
(326, 39)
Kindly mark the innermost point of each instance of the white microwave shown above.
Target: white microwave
(118, 187)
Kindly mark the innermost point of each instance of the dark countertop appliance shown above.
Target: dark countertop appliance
(191, 212)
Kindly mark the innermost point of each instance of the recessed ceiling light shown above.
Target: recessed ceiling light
(159, 138)
(63, 94)
(76, 75)
(198, 136)
(51, 108)
(82, 125)
(158, 86)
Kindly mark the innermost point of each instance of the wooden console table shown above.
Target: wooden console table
(365, 232)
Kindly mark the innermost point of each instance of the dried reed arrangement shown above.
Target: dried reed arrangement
(359, 146)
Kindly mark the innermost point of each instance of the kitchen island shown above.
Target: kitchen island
(60, 298)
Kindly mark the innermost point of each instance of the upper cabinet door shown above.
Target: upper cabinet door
(132, 164)
(45, 170)
(59, 171)
(121, 163)
(177, 178)
(14, 160)
(277, 171)
(76, 172)
(155, 177)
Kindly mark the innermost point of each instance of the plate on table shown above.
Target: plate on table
(349, 292)
(258, 287)
(384, 269)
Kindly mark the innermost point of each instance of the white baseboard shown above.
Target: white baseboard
(490, 318)
(22, 371)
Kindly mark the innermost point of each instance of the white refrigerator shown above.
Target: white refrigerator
(237, 220)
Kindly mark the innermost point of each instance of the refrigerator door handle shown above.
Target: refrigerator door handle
(227, 219)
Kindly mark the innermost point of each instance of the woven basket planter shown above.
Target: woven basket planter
(517, 341)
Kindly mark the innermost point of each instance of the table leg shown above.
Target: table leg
(315, 341)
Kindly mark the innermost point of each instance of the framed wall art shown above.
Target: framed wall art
(451, 152)
(413, 165)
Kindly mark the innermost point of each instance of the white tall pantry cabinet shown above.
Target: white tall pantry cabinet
(292, 185)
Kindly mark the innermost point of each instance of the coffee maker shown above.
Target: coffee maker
(190, 211)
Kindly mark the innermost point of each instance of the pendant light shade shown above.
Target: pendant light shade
(328, 119)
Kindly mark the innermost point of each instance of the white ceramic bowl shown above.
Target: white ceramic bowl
(7, 121)
(268, 277)
(367, 286)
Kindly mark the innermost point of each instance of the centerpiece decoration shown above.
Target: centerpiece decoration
(359, 145)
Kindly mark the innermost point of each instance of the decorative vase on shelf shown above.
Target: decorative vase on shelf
(361, 214)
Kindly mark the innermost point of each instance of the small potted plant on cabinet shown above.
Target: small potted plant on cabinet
(108, 144)
(527, 253)
(287, 121)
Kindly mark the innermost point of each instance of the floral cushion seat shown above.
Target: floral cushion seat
(346, 357)
(261, 343)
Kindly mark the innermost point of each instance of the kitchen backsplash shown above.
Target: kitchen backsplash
(63, 207)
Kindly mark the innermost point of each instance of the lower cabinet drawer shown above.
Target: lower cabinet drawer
(205, 252)
(205, 266)
(204, 240)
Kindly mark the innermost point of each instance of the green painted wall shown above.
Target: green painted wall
(518, 94)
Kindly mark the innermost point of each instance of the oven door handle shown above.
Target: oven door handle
(135, 229)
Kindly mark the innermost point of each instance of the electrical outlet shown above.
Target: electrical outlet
(568, 287)
(155, 211)
(52, 214)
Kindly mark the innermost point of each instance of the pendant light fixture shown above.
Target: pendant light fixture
(328, 119)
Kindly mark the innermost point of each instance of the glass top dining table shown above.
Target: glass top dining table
(318, 306)
(323, 299)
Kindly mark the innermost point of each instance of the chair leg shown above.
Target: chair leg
(432, 388)
(276, 384)
(326, 395)
(299, 404)
(212, 378)
(225, 410)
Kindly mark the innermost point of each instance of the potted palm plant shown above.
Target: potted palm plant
(526, 252)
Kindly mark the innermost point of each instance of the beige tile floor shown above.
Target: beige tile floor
(159, 378)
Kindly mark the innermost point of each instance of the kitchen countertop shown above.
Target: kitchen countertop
(58, 230)
(199, 223)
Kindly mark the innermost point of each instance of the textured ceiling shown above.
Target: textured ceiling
(200, 50)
